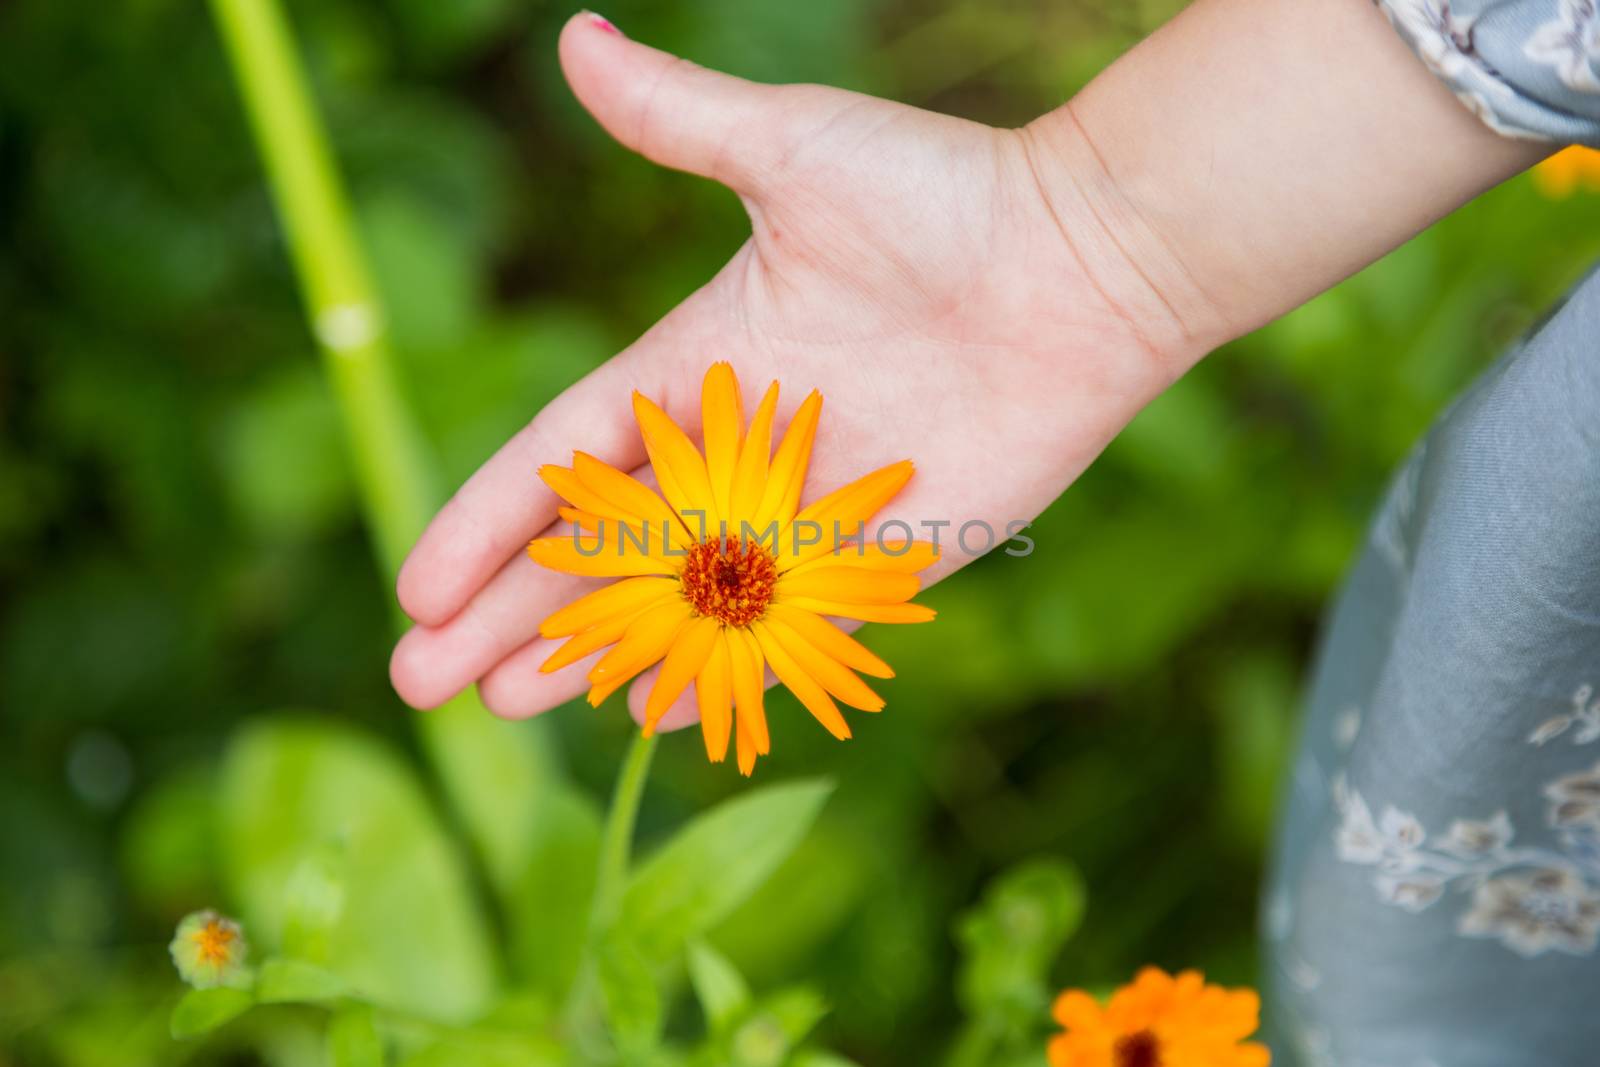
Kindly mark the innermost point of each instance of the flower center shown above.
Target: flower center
(729, 579)
(213, 941)
(1137, 1050)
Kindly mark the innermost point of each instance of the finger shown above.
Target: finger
(515, 688)
(431, 664)
(504, 505)
(670, 110)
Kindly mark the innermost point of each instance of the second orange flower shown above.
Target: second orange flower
(724, 575)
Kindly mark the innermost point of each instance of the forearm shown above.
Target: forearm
(1252, 153)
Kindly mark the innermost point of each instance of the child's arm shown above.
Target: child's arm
(1251, 153)
(995, 304)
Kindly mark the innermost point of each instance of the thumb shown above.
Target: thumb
(669, 110)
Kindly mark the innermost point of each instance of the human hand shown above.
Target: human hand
(908, 265)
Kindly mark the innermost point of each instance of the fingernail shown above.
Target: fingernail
(602, 22)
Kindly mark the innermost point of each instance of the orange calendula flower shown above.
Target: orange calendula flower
(724, 574)
(1573, 168)
(1159, 1021)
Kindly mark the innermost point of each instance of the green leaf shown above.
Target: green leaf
(409, 935)
(314, 903)
(632, 1001)
(721, 989)
(496, 775)
(797, 1011)
(353, 1039)
(715, 862)
(548, 916)
(1010, 939)
(820, 1058)
(296, 981)
(203, 1010)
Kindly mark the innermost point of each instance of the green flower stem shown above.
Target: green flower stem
(583, 1009)
(616, 841)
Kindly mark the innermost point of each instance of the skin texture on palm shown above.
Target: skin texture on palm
(994, 304)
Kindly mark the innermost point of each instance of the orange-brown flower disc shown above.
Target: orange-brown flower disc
(1137, 1050)
(729, 579)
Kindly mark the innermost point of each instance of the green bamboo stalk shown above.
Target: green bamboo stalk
(395, 469)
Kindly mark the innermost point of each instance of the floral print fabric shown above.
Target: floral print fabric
(1528, 68)
(1435, 894)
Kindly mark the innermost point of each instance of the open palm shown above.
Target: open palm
(923, 273)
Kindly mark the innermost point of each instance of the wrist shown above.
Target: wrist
(1110, 234)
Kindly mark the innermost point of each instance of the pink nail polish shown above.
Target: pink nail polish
(602, 22)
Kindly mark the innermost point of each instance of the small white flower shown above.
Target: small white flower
(1570, 43)
(1441, 37)
(1413, 892)
(1543, 910)
(1471, 838)
(1575, 799)
(1357, 838)
(1401, 828)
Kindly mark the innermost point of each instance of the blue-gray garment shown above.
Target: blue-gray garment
(1435, 898)
(1529, 68)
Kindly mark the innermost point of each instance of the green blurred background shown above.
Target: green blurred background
(181, 555)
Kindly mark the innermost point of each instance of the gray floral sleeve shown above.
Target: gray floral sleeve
(1527, 68)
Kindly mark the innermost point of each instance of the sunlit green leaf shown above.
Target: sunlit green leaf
(353, 1039)
(720, 988)
(796, 1010)
(699, 876)
(314, 903)
(549, 907)
(288, 980)
(410, 935)
(496, 774)
(631, 997)
(1009, 940)
(203, 1010)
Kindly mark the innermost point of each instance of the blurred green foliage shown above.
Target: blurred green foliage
(181, 558)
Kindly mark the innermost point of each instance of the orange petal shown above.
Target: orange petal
(832, 675)
(714, 691)
(801, 684)
(840, 514)
(864, 612)
(781, 498)
(588, 641)
(721, 426)
(678, 466)
(628, 497)
(832, 640)
(594, 556)
(895, 554)
(618, 598)
(566, 484)
(586, 521)
(1076, 1010)
(850, 585)
(684, 660)
(647, 639)
(747, 748)
(750, 473)
(748, 674)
